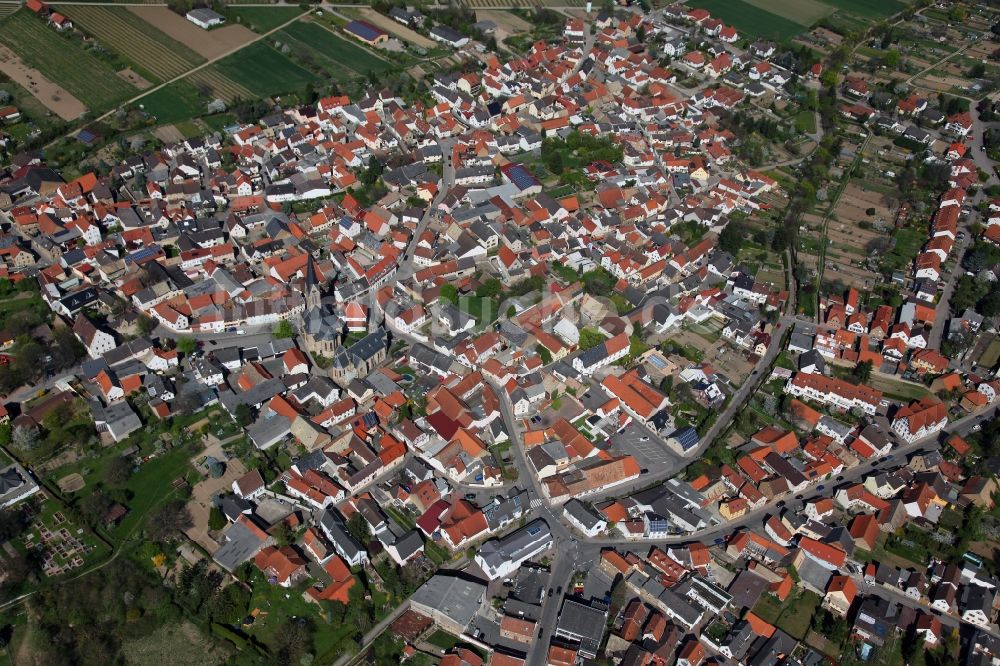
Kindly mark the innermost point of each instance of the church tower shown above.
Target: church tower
(314, 295)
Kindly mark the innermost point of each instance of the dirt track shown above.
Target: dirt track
(48, 93)
(208, 44)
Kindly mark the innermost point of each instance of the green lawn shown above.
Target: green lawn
(749, 20)
(65, 61)
(11, 305)
(262, 70)
(907, 243)
(898, 390)
(261, 19)
(219, 121)
(805, 122)
(334, 49)
(174, 102)
(151, 485)
(793, 615)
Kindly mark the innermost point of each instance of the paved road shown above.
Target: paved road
(942, 307)
(898, 596)
(565, 555)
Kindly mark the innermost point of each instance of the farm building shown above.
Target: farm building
(366, 32)
(205, 18)
(443, 33)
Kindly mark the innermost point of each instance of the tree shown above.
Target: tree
(989, 305)
(95, 506)
(544, 353)
(187, 345)
(863, 372)
(283, 534)
(891, 59)
(146, 324)
(554, 162)
(67, 349)
(489, 289)
(294, 640)
(243, 415)
(118, 471)
(284, 329)
(24, 438)
(732, 237)
(169, 521)
(590, 338)
(357, 527)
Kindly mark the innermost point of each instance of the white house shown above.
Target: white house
(584, 519)
(205, 18)
(499, 558)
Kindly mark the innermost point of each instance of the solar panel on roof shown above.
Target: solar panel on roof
(144, 253)
(364, 30)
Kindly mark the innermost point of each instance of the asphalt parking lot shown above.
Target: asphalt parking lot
(649, 451)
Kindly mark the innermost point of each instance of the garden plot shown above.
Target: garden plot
(849, 245)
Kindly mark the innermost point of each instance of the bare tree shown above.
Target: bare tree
(24, 438)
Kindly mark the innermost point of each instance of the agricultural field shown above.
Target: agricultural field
(868, 8)
(64, 61)
(262, 19)
(504, 4)
(261, 70)
(751, 20)
(803, 12)
(177, 101)
(211, 81)
(784, 19)
(222, 41)
(332, 50)
(122, 31)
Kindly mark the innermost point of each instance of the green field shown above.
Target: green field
(261, 19)
(174, 102)
(868, 8)
(749, 20)
(333, 49)
(64, 61)
(803, 12)
(263, 71)
(139, 42)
